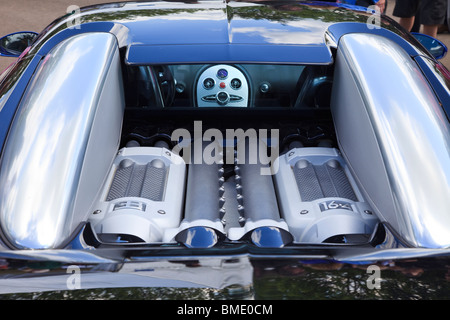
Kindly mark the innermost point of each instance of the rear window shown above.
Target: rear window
(226, 85)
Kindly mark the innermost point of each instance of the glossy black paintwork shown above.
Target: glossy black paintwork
(43, 277)
(193, 28)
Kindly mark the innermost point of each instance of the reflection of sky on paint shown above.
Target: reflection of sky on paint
(169, 27)
(163, 30)
(47, 135)
(305, 31)
(413, 135)
(210, 14)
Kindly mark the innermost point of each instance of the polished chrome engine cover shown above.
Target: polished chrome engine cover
(395, 138)
(62, 141)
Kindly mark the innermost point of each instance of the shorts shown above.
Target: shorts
(431, 12)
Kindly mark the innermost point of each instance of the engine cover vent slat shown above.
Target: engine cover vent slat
(319, 198)
(322, 181)
(135, 180)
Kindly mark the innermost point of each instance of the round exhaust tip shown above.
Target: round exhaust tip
(199, 237)
(270, 237)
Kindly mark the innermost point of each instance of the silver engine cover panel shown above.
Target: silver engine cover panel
(143, 197)
(319, 198)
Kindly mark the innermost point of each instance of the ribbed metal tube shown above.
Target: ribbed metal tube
(256, 193)
(203, 205)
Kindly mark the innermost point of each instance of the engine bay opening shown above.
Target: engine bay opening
(230, 154)
(204, 178)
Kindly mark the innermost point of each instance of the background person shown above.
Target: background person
(431, 12)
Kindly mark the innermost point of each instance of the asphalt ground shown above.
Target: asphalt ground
(35, 15)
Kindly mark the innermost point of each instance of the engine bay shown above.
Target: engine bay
(232, 154)
(270, 179)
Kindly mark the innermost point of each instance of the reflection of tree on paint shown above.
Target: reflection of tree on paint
(381, 4)
(17, 43)
(326, 279)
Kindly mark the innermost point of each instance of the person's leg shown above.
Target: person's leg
(406, 11)
(430, 30)
(432, 15)
(407, 23)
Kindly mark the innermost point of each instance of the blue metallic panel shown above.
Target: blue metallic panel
(226, 53)
(18, 81)
(439, 79)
